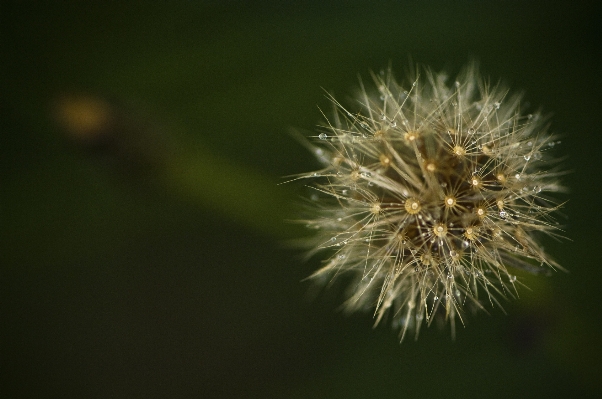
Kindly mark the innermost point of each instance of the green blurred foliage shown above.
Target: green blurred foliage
(151, 260)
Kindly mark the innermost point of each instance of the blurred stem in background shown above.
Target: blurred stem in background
(233, 191)
(134, 146)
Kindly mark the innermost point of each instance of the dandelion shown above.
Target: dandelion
(431, 196)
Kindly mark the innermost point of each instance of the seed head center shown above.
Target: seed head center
(411, 136)
(481, 212)
(450, 201)
(459, 151)
(375, 209)
(475, 181)
(440, 230)
(412, 206)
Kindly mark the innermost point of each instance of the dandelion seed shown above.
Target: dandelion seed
(415, 205)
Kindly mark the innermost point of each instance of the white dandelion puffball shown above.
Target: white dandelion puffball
(431, 195)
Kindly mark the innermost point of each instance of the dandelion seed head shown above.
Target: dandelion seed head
(432, 193)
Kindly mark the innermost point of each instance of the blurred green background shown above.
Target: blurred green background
(142, 248)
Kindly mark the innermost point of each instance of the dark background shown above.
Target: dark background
(145, 257)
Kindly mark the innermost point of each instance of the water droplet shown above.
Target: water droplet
(551, 144)
(411, 304)
(436, 298)
(370, 184)
(471, 130)
(339, 219)
(457, 84)
(512, 278)
(530, 143)
(527, 157)
(465, 244)
(530, 116)
(344, 192)
(453, 253)
(394, 124)
(383, 117)
(341, 257)
(366, 174)
(497, 105)
(450, 276)
(323, 136)
(537, 189)
(364, 125)
(414, 84)
(503, 214)
(333, 239)
(517, 176)
(444, 184)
